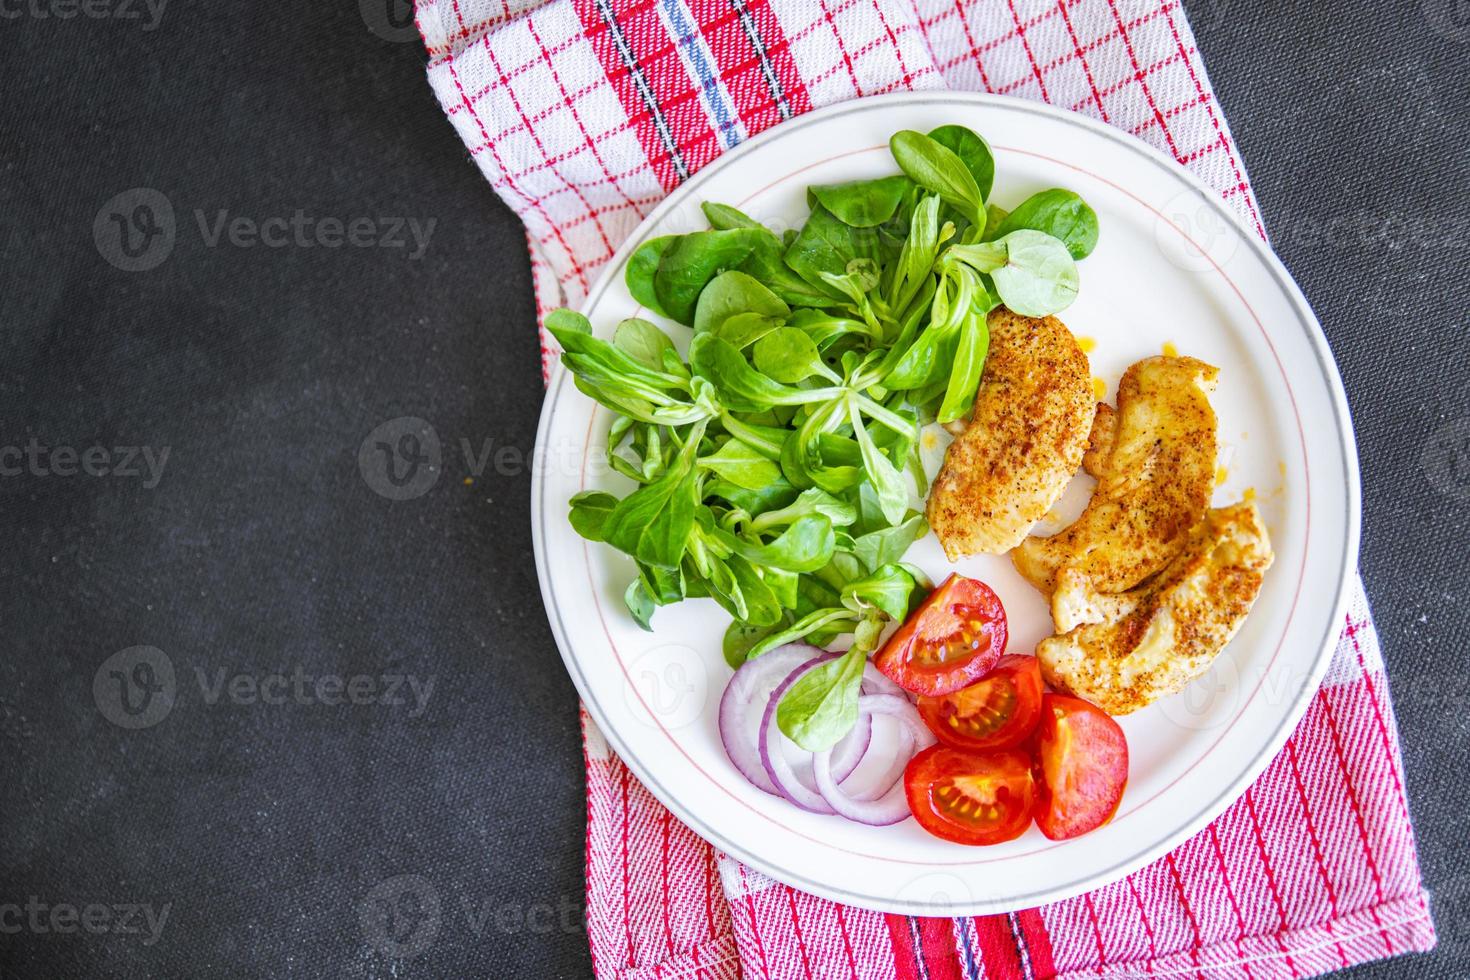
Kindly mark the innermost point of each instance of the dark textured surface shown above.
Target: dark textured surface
(268, 829)
(1353, 119)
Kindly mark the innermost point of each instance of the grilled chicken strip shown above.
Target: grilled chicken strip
(1154, 459)
(1122, 652)
(1024, 441)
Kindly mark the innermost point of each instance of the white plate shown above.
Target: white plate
(1172, 266)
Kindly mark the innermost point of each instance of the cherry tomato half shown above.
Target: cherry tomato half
(952, 640)
(1082, 766)
(999, 711)
(971, 797)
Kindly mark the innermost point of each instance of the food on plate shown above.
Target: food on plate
(1123, 651)
(1023, 440)
(1082, 767)
(971, 797)
(768, 459)
(817, 781)
(769, 455)
(1154, 459)
(1032, 755)
(953, 639)
(1100, 440)
(765, 441)
(999, 711)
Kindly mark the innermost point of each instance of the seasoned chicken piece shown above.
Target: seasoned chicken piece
(1122, 652)
(1154, 459)
(1024, 441)
(1100, 442)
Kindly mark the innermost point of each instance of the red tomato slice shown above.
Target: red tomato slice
(971, 797)
(999, 711)
(1082, 766)
(952, 640)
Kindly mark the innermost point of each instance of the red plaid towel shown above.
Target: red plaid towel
(583, 114)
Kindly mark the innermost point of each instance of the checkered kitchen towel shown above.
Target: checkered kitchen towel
(583, 114)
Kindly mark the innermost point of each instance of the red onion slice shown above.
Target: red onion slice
(743, 707)
(773, 756)
(848, 754)
(892, 806)
(755, 744)
(876, 682)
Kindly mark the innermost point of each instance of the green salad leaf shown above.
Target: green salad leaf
(1058, 213)
(938, 169)
(973, 152)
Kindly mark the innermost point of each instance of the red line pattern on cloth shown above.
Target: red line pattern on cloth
(1296, 775)
(1198, 939)
(583, 114)
(906, 963)
(998, 953)
(937, 943)
(806, 960)
(1038, 942)
(1148, 929)
(846, 940)
(1102, 953)
(1026, 46)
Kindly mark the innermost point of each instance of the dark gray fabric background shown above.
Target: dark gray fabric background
(262, 548)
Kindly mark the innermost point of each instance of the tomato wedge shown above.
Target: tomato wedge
(953, 639)
(1082, 766)
(999, 711)
(971, 797)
